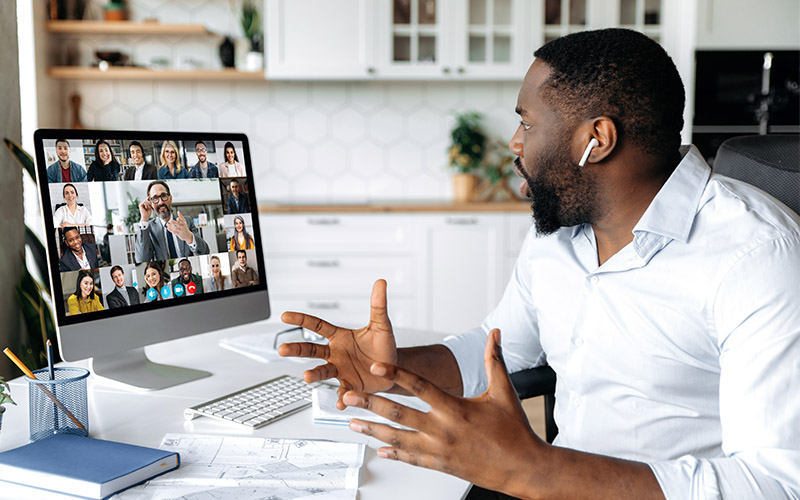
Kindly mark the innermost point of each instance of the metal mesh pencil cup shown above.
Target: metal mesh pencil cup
(58, 406)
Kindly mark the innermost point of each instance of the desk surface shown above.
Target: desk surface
(143, 418)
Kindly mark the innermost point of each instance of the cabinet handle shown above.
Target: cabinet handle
(323, 263)
(323, 305)
(461, 70)
(323, 221)
(446, 70)
(371, 70)
(461, 221)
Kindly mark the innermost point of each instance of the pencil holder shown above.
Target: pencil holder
(58, 406)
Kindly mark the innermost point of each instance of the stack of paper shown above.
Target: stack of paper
(262, 345)
(255, 468)
(324, 409)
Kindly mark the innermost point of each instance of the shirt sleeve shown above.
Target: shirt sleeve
(756, 319)
(515, 317)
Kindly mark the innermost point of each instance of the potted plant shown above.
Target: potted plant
(5, 397)
(250, 19)
(466, 154)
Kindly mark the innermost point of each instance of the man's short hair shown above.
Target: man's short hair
(184, 260)
(137, 144)
(115, 269)
(199, 142)
(70, 228)
(158, 182)
(622, 74)
(62, 140)
(241, 251)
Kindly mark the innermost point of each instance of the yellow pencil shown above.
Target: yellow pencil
(49, 394)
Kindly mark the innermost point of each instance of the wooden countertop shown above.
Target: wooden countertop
(398, 207)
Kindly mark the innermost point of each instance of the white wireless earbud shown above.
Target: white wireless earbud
(586, 153)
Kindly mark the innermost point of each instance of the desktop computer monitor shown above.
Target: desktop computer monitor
(151, 236)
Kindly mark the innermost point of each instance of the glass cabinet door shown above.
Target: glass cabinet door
(415, 38)
(641, 15)
(562, 17)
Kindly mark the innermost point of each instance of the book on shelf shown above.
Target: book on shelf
(84, 466)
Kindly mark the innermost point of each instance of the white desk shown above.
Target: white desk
(144, 418)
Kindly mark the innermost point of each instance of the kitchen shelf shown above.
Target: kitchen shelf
(124, 28)
(127, 73)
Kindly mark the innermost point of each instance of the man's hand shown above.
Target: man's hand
(349, 353)
(180, 228)
(145, 209)
(486, 440)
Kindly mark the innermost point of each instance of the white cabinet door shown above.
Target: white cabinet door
(465, 263)
(745, 24)
(319, 39)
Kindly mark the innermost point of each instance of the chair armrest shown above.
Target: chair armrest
(534, 382)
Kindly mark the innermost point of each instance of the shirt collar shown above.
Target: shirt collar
(671, 213)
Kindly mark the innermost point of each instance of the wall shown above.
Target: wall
(11, 187)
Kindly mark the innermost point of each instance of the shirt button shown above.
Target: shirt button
(578, 342)
(595, 280)
(577, 401)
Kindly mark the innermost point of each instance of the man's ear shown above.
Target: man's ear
(603, 135)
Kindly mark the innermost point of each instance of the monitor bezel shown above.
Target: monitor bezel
(191, 302)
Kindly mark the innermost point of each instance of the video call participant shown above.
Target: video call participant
(237, 200)
(243, 275)
(64, 169)
(71, 214)
(165, 237)
(78, 255)
(203, 169)
(217, 281)
(84, 300)
(663, 295)
(140, 171)
(122, 295)
(241, 239)
(104, 167)
(231, 166)
(171, 167)
(154, 283)
(186, 278)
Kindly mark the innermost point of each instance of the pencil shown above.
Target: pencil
(30, 374)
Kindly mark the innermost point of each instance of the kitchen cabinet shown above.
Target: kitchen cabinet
(743, 24)
(320, 39)
(445, 272)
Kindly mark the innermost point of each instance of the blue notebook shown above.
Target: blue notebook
(82, 466)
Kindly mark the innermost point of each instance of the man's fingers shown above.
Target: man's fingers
(413, 383)
(322, 372)
(304, 350)
(378, 311)
(395, 412)
(412, 458)
(309, 323)
(396, 438)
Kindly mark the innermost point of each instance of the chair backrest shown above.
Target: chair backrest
(768, 162)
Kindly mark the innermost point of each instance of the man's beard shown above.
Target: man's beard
(561, 192)
(164, 215)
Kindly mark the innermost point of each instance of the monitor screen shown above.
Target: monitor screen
(151, 236)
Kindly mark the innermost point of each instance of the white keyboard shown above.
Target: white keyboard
(258, 405)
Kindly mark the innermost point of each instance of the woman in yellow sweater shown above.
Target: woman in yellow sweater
(241, 239)
(84, 299)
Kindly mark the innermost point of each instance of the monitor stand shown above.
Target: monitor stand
(134, 369)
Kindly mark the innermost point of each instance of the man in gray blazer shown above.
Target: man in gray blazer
(165, 237)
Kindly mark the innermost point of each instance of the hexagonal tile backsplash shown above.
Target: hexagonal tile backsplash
(333, 142)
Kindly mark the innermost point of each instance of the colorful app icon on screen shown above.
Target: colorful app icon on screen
(152, 294)
(179, 290)
(191, 288)
(165, 291)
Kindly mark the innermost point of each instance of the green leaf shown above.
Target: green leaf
(22, 156)
(39, 255)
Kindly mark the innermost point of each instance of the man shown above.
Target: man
(165, 237)
(140, 171)
(237, 202)
(122, 295)
(187, 278)
(664, 297)
(64, 169)
(79, 255)
(203, 169)
(242, 274)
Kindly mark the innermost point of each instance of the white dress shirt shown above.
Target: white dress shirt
(137, 174)
(682, 350)
(81, 217)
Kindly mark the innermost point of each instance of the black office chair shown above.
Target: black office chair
(768, 162)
